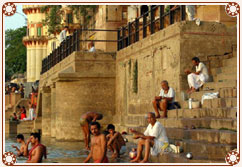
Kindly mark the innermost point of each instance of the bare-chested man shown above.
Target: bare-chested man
(38, 150)
(85, 120)
(21, 150)
(115, 141)
(98, 145)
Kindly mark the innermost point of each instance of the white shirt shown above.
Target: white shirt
(169, 94)
(203, 69)
(62, 35)
(157, 131)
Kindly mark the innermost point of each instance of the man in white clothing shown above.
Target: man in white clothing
(63, 34)
(154, 139)
(198, 78)
(165, 99)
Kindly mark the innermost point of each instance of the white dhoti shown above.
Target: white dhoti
(157, 147)
(196, 81)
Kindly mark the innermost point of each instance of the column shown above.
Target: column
(28, 63)
(53, 111)
(46, 111)
(33, 64)
(39, 54)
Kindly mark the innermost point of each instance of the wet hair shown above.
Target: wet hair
(196, 59)
(97, 124)
(20, 136)
(35, 135)
(111, 126)
(165, 81)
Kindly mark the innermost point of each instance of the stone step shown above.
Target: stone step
(25, 127)
(204, 150)
(223, 93)
(224, 70)
(180, 158)
(198, 95)
(204, 135)
(220, 103)
(218, 85)
(136, 120)
(205, 123)
(232, 62)
(203, 112)
(227, 92)
(225, 77)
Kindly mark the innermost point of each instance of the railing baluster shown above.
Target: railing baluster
(161, 17)
(129, 33)
(144, 26)
(152, 19)
(136, 29)
(183, 12)
(118, 38)
(171, 15)
(123, 37)
(78, 39)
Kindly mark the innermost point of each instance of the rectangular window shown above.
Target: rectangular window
(39, 31)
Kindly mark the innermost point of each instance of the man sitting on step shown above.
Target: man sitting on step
(198, 78)
(165, 100)
(154, 139)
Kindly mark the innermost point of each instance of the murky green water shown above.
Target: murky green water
(64, 152)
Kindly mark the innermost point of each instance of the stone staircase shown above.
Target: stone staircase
(209, 132)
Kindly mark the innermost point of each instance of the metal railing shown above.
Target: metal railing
(131, 33)
(67, 47)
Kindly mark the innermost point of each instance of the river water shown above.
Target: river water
(64, 152)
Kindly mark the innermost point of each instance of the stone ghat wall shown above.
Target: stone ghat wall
(165, 55)
(80, 83)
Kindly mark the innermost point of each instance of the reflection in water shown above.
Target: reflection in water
(63, 152)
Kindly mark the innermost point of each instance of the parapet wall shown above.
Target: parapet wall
(165, 55)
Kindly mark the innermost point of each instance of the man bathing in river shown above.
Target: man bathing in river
(98, 145)
(115, 142)
(85, 120)
(21, 150)
(38, 151)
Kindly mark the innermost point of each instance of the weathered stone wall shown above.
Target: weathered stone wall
(164, 56)
(46, 113)
(80, 83)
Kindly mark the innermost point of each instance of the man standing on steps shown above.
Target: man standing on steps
(154, 139)
(165, 99)
(87, 119)
(63, 34)
(198, 78)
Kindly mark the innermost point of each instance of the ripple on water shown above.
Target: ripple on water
(63, 152)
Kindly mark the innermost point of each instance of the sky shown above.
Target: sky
(15, 21)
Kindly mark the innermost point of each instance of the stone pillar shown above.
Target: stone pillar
(39, 54)
(28, 63)
(33, 64)
(53, 111)
(46, 111)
